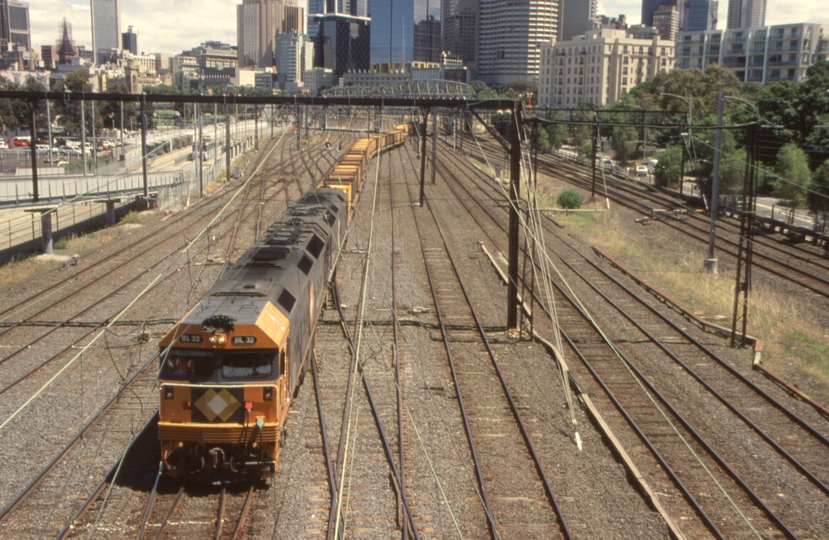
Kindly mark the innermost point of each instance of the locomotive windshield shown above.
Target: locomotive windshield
(215, 366)
(247, 365)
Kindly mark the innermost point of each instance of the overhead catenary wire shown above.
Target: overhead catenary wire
(648, 394)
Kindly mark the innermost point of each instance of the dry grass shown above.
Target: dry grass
(795, 345)
(19, 269)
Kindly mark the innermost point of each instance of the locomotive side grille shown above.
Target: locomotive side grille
(216, 434)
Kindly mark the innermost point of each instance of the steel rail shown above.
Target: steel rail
(695, 231)
(163, 526)
(793, 416)
(333, 515)
(740, 482)
(240, 525)
(467, 428)
(396, 351)
(332, 479)
(220, 517)
(631, 422)
(701, 346)
(524, 432)
(151, 502)
(698, 233)
(14, 503)
(29, 489)
(109, 477)
(376, 413)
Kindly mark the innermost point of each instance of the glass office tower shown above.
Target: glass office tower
(405, 31)
(106, 28)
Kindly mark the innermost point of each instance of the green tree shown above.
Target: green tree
(669, 166)
(70, 112)
(480, 90)
(111, 110)
(556, 133)
(818, 196)
(15, 112)
(624, 141)
(793, 174)
(732, 172)
(569, 198)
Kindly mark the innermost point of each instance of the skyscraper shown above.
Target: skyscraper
(746, 13)
(697, 15)
(405, 31)
(258, 22)
(510, 35)
(129, 41)
(650, 6)
(666, 20)
(575, 18)
(14, 25)
(460, 18)
(106, 28)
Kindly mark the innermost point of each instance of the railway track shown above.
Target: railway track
(804, 266)
(496, 434)
(604, 365)
(114, 424)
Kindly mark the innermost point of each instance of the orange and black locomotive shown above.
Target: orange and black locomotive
(230, 367)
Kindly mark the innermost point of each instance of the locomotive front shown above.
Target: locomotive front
(223, 391)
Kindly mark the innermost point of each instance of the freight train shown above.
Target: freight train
(231, 366)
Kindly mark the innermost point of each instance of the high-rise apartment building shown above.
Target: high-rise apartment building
(599, 67)
(294, 55)
(764, 54)
(15, 31)
(405, 31)
(106, 28)
(460, 19)
(666, 20)
(129, 41)
(697, 15)
(510, 36)
(649, 7)
(258, 23)
(746, 13)
(575, 17)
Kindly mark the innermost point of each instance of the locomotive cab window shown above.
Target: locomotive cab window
(248, 365)
(190, 365)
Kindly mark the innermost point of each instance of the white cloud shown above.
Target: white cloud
(162, 25)
(777, 11)
(176, 25)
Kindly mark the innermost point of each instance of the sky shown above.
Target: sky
(173, 26)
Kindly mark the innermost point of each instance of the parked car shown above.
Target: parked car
(21, 142)
(69, 151)
(641, 170)
(3, 145)
(44, 149)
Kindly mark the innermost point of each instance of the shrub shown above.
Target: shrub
(569, 198)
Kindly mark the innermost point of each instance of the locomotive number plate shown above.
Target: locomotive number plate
(190, 338)
(244, 340)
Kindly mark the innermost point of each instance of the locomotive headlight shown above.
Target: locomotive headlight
(168, 392)
(218, 339)
(267, 392)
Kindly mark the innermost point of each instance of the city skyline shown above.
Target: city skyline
(161, 32)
